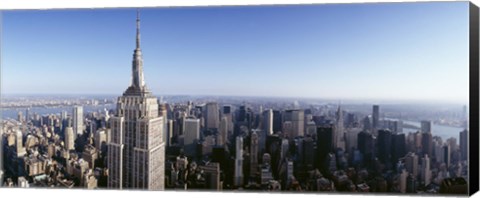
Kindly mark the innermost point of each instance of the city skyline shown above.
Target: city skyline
(236, 51)
(145, 142)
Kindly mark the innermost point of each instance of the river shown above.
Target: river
(13, 112)
(444, 132)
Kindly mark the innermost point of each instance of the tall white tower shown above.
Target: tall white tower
(78, 120)
(69, 138)
(268, 121)
(136, 152)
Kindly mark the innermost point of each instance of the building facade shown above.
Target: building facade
(136, 152)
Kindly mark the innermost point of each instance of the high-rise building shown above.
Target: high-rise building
(324, 142)
(191, 135)
(284, 149)
(427, 143)
(438, 150)
(169, 131)
(403, 181)
(310, 129)
(253, 154)
(351, 137)
(223, 132)
(136, 152)
(78, 120)
(426, 126)
(446, 154)
(289, 172)
(238, 175)
(399, 147)
(69, 138)
(64, 115)
(27, 115)
(90, 155)
(367, 124)
(296, 117)
(101, 139)
(227, 112)
(287, 129)
(376, 118)
(21, 151)
(162, 112)
(411, 164)
(426, 173)
(308, 153)
(268, 121)
(384, 142)
(339, 130)
(277, 121)
(227, 109)
(464, 144)
(212, 176)
(366, 145)
(212, 118)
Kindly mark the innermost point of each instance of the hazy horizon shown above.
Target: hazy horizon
(379, 51)
(336, 100)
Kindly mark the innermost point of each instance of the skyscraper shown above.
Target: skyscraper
(375, 118)
(20, 117)
(27, 115)
(268, 121)
(464, 144)
(296, 117)
(136, 153)
(212, 119)
(162, 111)
(69, 138)
(398, 147)
(339, 130)
(277, 121)
(77, 120)
(21, 151)
(411, 164)
(324, 143)
(427, 146)
(253, 153)
(223, 132)
(366, 145)
(238, 175)
(384, 142)
(426, 173)
(191, 135)
(446, 154)
(426, 126)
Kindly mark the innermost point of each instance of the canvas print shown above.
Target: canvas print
(323, 98)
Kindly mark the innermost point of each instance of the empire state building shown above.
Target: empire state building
(136, 152)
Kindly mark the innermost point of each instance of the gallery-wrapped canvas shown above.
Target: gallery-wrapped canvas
(356, 98)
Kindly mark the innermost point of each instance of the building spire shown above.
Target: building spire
(138, 29)
(137, 63)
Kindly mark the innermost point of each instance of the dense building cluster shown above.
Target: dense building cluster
(146, 143)
(312, 149)
(215, 146)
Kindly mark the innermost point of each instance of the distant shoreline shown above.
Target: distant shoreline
(335, 100)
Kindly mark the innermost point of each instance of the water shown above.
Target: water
(444, 132)
(12, 113)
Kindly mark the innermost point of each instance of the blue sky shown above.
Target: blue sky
(411, 51)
